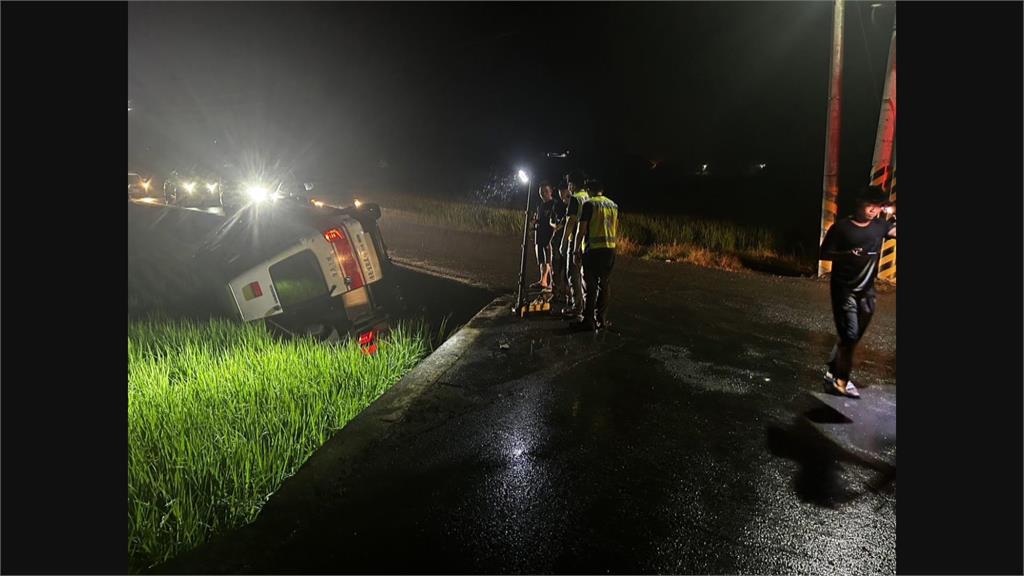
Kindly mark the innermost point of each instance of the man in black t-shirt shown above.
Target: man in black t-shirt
(543, 230)
(854, 245)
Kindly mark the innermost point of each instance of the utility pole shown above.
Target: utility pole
(831, 184)
(883, 166)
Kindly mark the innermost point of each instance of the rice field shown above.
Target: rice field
(221, 413)
(458, 216)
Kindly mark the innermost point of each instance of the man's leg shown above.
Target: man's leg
(565, 294)
(591, 274)
(845, 314)
(576, 280)
(844, 361)
(604, 285)
(558, 278)
(582, 282)
(546, 278)
(865, 309)
(540, 263)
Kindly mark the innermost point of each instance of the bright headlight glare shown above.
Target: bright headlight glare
(256, 192)
(358, 203)
(189, 187)
(211, 186)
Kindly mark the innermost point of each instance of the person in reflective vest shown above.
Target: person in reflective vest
(574, 263)
(599, 227)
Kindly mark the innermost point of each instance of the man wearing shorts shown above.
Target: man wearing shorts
(854, 245)
(543, 232)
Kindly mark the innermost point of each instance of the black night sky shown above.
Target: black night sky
(443, 92)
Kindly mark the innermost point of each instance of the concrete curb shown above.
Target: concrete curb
(372, 425)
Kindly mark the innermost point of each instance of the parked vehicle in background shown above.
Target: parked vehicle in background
(192, 189)
(237, 194)
(138, 187)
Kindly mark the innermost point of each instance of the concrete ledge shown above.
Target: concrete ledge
(372, 424)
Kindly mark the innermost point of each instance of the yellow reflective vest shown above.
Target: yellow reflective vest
(581, 196)
(603, 227)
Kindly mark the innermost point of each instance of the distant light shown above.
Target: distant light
(211, 186)
(762, 165)
(876, 5)
(145, 185)
(357, 203)
(523, 177)
(318, 203)
(148, 200)
(704, 167)
(189, 186)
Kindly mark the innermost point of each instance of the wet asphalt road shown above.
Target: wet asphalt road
(667, 446)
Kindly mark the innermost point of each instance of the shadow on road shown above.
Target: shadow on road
(819, 479)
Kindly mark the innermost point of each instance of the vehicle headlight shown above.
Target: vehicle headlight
(189, 187)
(145, 184)
(211, 186)
(256, 192)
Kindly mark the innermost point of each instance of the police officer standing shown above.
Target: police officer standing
(598, 230)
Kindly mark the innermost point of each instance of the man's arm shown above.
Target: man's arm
(570, 226)
(577, 240)
(584, 227)
(570, 233)
(829, 250)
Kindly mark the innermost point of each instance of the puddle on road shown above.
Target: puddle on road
(707, 376)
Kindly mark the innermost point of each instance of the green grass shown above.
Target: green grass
(220, 413)
(716, 236)
(458, 216)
